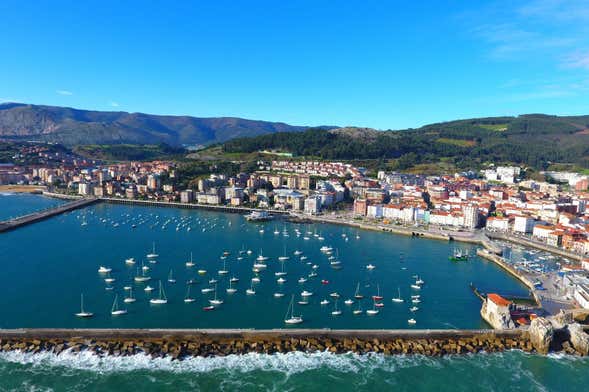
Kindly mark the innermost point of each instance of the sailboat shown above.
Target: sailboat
(377, 297)
(130, 298)
(289, 317)
(215, 301)
(161, 298)
(109, 279)
(357, 294)
(187, 298)
(284, 257)
(281, 272)
(398, 298)
(224, 270)
(230, 289)
(358, 310)
(115, 311)
(190, 263)
(336, 311)
(104, 270)
(412, 321)
(142, 277)
(261, 257)
(373, 311)
(251, 290)
(349, 301)
(171, 278)
(82, 312)
(152, 255)
(130, 261)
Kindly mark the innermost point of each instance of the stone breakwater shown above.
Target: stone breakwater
(179, 344)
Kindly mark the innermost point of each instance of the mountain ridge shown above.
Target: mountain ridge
(70, 126)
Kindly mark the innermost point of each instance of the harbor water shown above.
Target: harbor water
(47, 265)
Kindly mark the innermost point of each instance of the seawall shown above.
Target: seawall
(181, 343)
(535, 244)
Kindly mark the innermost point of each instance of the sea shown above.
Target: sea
(48, 265)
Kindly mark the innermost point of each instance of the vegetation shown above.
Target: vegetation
(531, 140)
(129, 152)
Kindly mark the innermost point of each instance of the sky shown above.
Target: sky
(373, 63)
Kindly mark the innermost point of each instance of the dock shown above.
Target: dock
(37, 216)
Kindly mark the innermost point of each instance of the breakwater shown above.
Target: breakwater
(44, 214)
(173, 204)
(179, 344)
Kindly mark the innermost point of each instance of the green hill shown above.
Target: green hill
(535, 140)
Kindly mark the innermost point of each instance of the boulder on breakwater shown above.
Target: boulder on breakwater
(185, 343)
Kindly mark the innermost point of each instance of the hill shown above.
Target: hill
(536, 140)
(19, 122)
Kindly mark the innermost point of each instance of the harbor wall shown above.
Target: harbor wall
(172, 204)
(512, 271)
(180, 344)
(535, 244)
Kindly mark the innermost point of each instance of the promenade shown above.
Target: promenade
(37, 216)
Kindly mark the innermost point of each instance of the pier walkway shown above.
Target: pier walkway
(44, 214)
(174, 204)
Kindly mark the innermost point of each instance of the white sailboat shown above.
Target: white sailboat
(284, 257)
(261, 257)
(141, 278)
(115, 311)
(109, 279)
(251, 290)
(357, 294)
(373, 311)
(104, 270)
(358, 310)
(289, 317)
(412, 321)
(82, 313)
(336, 311)
(215, 301)
(171, 278)
(281, 272)
(224, 271)
(349, 301)
(152, 255)
(187, 298)
(130, 298)
(161, 298)
(231, 289)
(278, 295)
(130, 261)
(190, 263)
(398, 299)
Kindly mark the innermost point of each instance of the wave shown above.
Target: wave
(289, 363)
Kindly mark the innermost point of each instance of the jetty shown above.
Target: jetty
(37, 216)
(185, 343)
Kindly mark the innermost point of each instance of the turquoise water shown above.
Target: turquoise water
(511, 371)
(13, 205)
(47, 265)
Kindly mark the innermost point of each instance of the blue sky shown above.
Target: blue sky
(379, 64)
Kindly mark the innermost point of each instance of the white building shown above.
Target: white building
(523, 224)
(471, 216)
(374, 211)
(498, 223)
(312, 205)
(84, 188)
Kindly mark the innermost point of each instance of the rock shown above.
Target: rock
(541, 334)
(579, 339)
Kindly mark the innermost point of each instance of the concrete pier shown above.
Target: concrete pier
(40, 215)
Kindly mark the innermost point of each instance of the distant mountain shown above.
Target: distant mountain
(73, 127)
(532, 139)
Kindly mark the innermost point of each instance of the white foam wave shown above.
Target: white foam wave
(288, 363)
